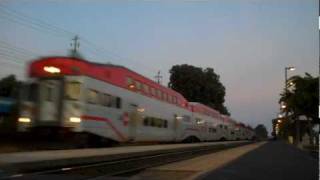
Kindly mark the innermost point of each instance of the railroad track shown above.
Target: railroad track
(122, 166)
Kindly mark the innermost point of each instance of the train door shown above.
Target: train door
(176, 131)
(133, 121)
(49, 100)
(180, 123)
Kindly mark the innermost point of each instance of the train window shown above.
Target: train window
(48, 93)
(106, 100)
(138, 85)
(28, 92)
(92, 96)
(160, 123)
(118, 102)
(146, 88)
(225, 127)
(158, 93)
(178, 102)
(165, 124)
(153, 91)
(157, 122)
(221, 126)
(174, 99)
(146, 121)
(186, 118)
(72, 90)
(152, 121)
(129, 81)
(164, 97)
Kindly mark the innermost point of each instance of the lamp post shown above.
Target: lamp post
(286, 69)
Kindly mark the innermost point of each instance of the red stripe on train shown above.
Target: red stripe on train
(108, 121)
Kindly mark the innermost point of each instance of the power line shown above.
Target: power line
(31, 25)
(12, 59)
(13, 54)
(5, 48)
(23, 56)
(39, 25)
(37, 22)
(10, 47)
(103, 51)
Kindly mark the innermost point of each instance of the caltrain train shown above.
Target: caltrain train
(116, 103)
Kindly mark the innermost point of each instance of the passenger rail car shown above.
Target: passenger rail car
(116, 103)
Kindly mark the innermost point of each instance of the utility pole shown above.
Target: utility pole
(75, 44)
(158, 77)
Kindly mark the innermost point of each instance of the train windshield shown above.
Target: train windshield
(29, 92)
(72, 90)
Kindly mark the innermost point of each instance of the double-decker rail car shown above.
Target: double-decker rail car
(210, 120)
(112, 102)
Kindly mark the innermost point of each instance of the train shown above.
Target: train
(115, 103)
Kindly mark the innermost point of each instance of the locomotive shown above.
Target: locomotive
(116, 103)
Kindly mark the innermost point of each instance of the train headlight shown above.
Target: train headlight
(51, 69)
(75, 119)
(24, 120)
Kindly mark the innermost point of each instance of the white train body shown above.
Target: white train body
(117, 104)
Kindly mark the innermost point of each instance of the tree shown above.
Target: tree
(261, 132)
(302, 98)
(9, 86)
(199, 85)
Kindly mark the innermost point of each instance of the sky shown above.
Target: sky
(247, 42)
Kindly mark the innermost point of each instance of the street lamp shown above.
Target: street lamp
(286, 69)
(286, 93)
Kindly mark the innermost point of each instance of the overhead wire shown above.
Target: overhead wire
(44, 27)
(33, 22)
(6, 45)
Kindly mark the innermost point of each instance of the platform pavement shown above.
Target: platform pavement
(273, 161)
(260, 161)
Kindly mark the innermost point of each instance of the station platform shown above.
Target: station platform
(42, 160)
(262, 160)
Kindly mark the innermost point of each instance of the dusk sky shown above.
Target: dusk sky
(247, 42)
